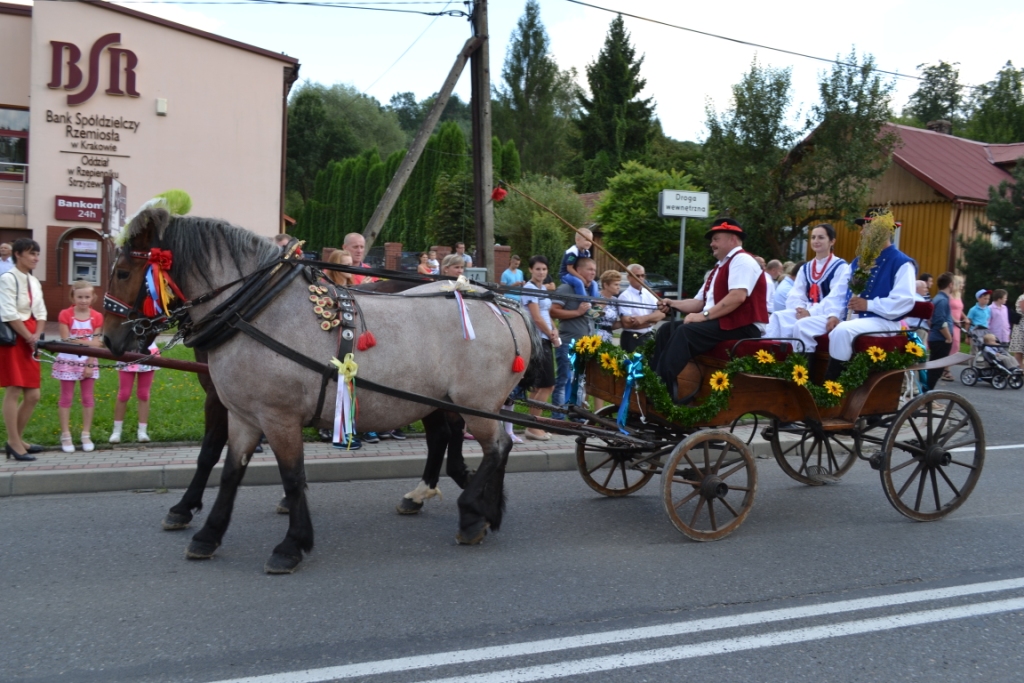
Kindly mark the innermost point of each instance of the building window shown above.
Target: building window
(13, 143)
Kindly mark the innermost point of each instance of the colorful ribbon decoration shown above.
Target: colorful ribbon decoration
(467, 325)
(633, 373)
(345, 405)
(158, 279)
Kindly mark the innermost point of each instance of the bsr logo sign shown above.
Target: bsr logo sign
(75, 76)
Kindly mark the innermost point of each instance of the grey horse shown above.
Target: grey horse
(420, 348)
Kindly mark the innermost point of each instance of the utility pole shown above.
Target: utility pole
(480, 72)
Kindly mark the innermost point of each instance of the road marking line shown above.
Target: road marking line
(717, 647)
(988, 448)
(625, 635)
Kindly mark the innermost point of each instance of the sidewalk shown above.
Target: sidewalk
(130, 467)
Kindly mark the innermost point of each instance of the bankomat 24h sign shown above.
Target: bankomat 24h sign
(75, 76)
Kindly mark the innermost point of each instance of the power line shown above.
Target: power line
(355, 4)
(747, 42)
(406, 51)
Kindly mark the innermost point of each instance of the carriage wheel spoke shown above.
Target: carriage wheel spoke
(910, 481)
(745, 489)
(700, 505)
(963, 464)
(935, 490)
(796, 444)
(728, 507)
(949, 435)
(949, 483)
(625, 480)
(721, 458)
(687, 499)
(917, 432)
(603, 463)
(711, 514)
(961, 444)
(843, 445)
(945, 416)
(707, 458)
(900, 467)
(833, 464)
(920, 491)
(928, 422)
(804, 458)
(910, 448)
(734, 470)
(694, 465)
(687, 482)
(611, 473)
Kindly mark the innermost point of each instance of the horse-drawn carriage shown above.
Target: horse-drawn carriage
(929, 451)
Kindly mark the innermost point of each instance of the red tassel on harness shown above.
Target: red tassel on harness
(366, 341)
(149, 308)
(518, 365)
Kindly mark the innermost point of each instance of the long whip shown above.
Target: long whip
(577, 230)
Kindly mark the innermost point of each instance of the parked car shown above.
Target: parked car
(659, 283)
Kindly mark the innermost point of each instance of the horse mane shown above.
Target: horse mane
(199, 245)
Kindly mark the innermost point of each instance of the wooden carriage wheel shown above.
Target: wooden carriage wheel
(932, 455)
(708, 484)
(608, 468)
(814, 458)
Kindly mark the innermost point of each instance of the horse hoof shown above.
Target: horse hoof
(175, 522)
(282, 564)
(408, 507)
(473, 535)
(200, 550)
(282, 507)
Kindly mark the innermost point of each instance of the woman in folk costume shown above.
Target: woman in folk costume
(814, 281)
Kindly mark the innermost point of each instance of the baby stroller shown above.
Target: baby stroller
(986, 366)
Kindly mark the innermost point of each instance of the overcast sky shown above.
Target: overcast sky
(683, 70)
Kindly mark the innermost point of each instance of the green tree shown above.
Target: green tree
(628, 215)
(775, 178)
(999, 263)
(514, 218)
(372, 124)
(526, 105)
(451, 219)
(614, 124)
(411, 113)
(548, 237)
(997, 108)
(511, 168)
(314, 139)
(940, 95)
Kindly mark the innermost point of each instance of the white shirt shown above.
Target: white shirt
(543, 303)
(769, 291)
(14, 282)
(743, 274)
(6, 265)
(648, 304)
(798, 295)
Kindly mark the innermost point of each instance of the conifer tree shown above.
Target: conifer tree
(615, 125)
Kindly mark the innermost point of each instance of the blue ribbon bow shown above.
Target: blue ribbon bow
(634, 368)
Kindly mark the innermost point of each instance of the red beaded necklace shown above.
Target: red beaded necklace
(816, 275)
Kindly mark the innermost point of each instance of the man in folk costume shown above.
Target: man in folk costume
(887, 296)
(731, 305)
(815, 280)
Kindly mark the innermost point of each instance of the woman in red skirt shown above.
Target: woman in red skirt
(21, 307)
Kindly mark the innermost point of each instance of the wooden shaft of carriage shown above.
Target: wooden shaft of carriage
(156, 361)
(577, 230)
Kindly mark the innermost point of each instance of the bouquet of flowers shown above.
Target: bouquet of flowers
(875, 236)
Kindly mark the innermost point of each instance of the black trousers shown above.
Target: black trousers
(937, 350)
(630, 340)
(677, 343)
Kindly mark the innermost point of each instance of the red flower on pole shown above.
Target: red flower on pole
(498, 194)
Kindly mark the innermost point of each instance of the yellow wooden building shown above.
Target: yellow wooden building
(937, 187)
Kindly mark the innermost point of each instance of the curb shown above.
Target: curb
(106, 479)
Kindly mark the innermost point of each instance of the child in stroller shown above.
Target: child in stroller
(991, 363)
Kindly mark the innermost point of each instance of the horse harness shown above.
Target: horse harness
(235, 313)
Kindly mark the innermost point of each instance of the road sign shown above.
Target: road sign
(683, 204)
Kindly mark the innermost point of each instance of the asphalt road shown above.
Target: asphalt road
(825, 583)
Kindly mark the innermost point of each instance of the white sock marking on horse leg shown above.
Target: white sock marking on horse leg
(423, 492)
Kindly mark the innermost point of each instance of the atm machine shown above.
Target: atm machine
(84, 263)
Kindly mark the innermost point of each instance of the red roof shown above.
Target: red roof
(955, 167)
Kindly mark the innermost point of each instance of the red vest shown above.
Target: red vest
(754, 308)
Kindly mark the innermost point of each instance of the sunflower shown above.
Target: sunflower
(764, 357)
(607, 362)
(617, 371)
(581, 345)
(799, 375)
(913, 349)
(593, 343)
(877, 355)
(834, 388)
(719, 381)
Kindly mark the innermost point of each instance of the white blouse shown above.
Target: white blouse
(15, 284)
